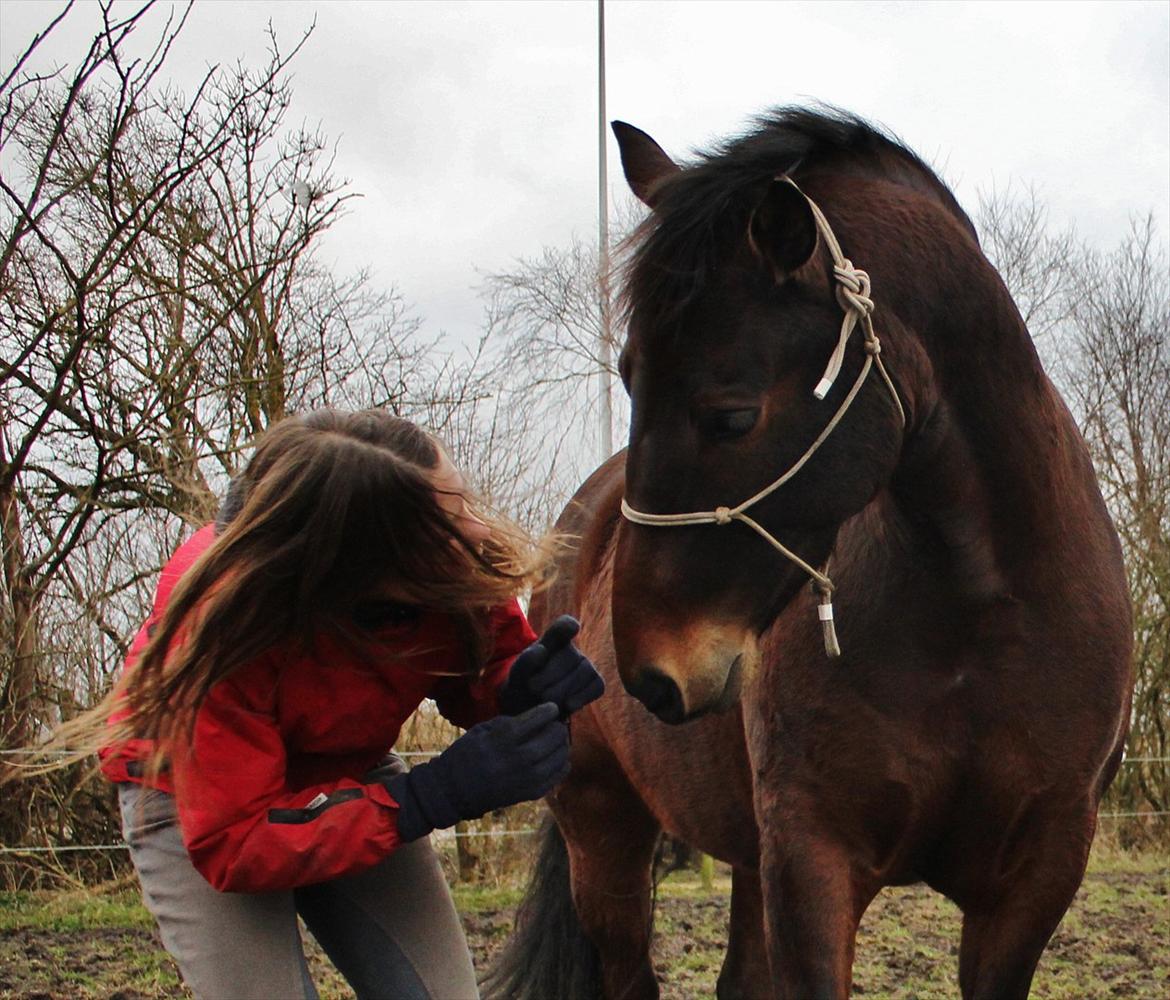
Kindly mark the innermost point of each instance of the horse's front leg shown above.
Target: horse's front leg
(745, 967)
(813, 902)
(610, 836)
(1022, 898)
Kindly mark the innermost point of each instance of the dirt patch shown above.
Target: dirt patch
(38, 965)
(1114, 942)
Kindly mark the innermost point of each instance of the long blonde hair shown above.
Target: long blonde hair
(333, 507)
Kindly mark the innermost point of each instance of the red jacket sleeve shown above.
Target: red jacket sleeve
(466, 703)
(244, 831)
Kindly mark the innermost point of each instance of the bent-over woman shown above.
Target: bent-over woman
(349, 576)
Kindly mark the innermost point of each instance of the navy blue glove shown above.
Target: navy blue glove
(552, 669)
(497, 763)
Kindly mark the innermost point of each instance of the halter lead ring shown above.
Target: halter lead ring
(853, 294)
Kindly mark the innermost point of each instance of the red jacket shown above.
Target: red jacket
(269, 795)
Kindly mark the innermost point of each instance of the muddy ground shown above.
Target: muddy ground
(1114, 942)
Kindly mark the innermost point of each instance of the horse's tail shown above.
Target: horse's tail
(548, 954)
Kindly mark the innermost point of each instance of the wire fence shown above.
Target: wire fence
(440, 835)
(448, 835)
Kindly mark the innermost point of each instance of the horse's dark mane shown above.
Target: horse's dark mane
(704, 209)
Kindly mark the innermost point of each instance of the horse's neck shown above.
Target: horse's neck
(988, 429)
(991, 441)
(949, 508)
(995, 472)
(932, 547)
(993, 516)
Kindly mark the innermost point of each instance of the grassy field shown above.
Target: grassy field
(1114, 941)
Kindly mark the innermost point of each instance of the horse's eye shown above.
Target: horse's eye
(376, 615)
(726, 424)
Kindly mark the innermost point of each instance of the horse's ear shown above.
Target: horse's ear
(782, 230)
(645, 164)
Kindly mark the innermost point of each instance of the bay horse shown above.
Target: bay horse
(948, 700)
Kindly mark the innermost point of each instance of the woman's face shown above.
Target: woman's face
(449, 493)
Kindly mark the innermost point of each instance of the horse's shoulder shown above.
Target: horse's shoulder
(598, 498)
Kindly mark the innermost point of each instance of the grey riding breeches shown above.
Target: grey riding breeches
(392, 930)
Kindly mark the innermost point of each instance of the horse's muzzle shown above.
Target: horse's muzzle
(662, 695)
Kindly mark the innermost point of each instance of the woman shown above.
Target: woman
(349, 577)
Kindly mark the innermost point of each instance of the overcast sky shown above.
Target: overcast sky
(471, 128)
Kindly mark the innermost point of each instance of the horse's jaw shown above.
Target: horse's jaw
(684, 672)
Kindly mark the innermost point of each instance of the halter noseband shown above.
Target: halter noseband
(853, 295)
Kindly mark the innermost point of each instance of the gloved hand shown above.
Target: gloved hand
(498, 763)
(552, 669)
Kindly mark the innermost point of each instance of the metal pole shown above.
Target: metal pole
(604, 348)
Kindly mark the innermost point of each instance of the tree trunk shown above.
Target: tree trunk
(468, 859)
(19, 682)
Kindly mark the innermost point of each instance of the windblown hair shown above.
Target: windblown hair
(334, 510)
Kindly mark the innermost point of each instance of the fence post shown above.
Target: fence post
(707, 872)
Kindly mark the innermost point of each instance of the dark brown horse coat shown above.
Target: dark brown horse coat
(967, 733)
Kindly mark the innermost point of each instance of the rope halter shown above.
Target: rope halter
(853, 294)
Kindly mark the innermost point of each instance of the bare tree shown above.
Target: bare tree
(543, 322)
(1118, 379)
(161, 302)
(50, 273)
(1035, 263)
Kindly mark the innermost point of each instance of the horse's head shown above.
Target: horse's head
(735, 318)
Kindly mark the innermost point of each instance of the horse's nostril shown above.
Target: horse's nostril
(659, 694)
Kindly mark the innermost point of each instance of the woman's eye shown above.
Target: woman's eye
(725, 424)
(375, 615)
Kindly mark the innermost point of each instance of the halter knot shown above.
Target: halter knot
(873, 345)
(853, 288)
(722, 515)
